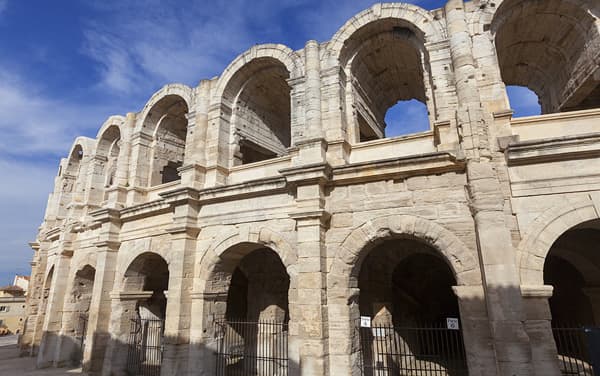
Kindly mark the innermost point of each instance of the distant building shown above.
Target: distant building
(12, 305)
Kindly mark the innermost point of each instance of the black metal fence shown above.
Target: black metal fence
(145, 350)
(251, 348)
(431, 350)
(83, 321)
(578, 350)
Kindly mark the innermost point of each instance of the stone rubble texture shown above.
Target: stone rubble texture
(489, 193)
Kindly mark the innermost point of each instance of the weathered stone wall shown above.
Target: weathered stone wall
(485, 193)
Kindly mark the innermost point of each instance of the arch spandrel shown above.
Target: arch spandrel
(356, 246)
(278, 52)
(425, 25)
(544, 231)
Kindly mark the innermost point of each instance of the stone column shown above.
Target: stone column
(593, 294)
(97, 334)
(309, 310)
(193, 170)
(50, 346)
(496, 254)
(184, 232)
(538, 324)
(122, 310)
(313, 90)
(35, 296)
(475, 329)
(140, 167)
(117, 194)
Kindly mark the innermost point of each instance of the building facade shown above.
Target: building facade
(12, 306)
(271, 196)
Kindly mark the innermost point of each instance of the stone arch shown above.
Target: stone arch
(544, 231)
(346, 265)
(253, 97)
(263, 235)
(427, 26)
(183, 91)
(384, 53)
(564, 56)
(285, 55)
(113, 121)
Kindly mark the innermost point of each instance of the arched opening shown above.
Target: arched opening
(253, 334)
(77, 306)
(572, 267)
(260, 124)
(107, 151)
(147, 279)
(406, 291)
(406, 117)
(387, 63)
(523, 101)
(167, 123)
(552, 50)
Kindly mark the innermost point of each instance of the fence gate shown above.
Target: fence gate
(251, 348)
(83, 320)
(145, 347)
(578, 350)
(433, 350)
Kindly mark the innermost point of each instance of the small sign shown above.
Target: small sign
(452, 323)
(378, 332)
(365, 322)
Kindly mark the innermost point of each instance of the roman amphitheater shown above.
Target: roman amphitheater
(261, 223)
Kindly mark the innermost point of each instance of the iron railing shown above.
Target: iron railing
(251, 348)
(145, 347)
(427, 350)
(83, 321)
(578, 350)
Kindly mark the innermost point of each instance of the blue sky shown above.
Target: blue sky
(65, 68)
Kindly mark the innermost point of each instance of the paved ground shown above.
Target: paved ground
(12, 365)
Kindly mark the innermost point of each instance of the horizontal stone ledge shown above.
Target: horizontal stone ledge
(130, 295)
(536, 291)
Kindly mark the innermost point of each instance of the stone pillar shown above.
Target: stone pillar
(309, 311)
(475, 328)
(313, 90)
(97, 334)
(117, 194)
(496, 253)
(193, 170)
(593, 294)
(184, 232)
(538, 324)
(122, 310)
(35, 297)
(140, 167)
(49, 346)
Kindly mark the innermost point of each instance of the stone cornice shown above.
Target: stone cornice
(179, 196)
(317, 173)
(553, 149)
(252, 188)
(130, 295)
(106, 215)
(397, 167)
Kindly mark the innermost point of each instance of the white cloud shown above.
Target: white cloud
(35, 124)
(3, 5)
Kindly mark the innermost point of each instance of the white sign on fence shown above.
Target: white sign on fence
(365, 322)
(452, 323)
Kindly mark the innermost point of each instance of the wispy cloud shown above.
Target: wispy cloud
(36, 124)
(3, 6)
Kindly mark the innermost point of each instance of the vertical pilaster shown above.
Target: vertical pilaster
(140, 172)
(313, 90)
(183, 231)
(475, 328)
(97, 334)
(117, 194)
(49, 345)
(538, 324)
(496, 253)
(309, 310)
(35, 297)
